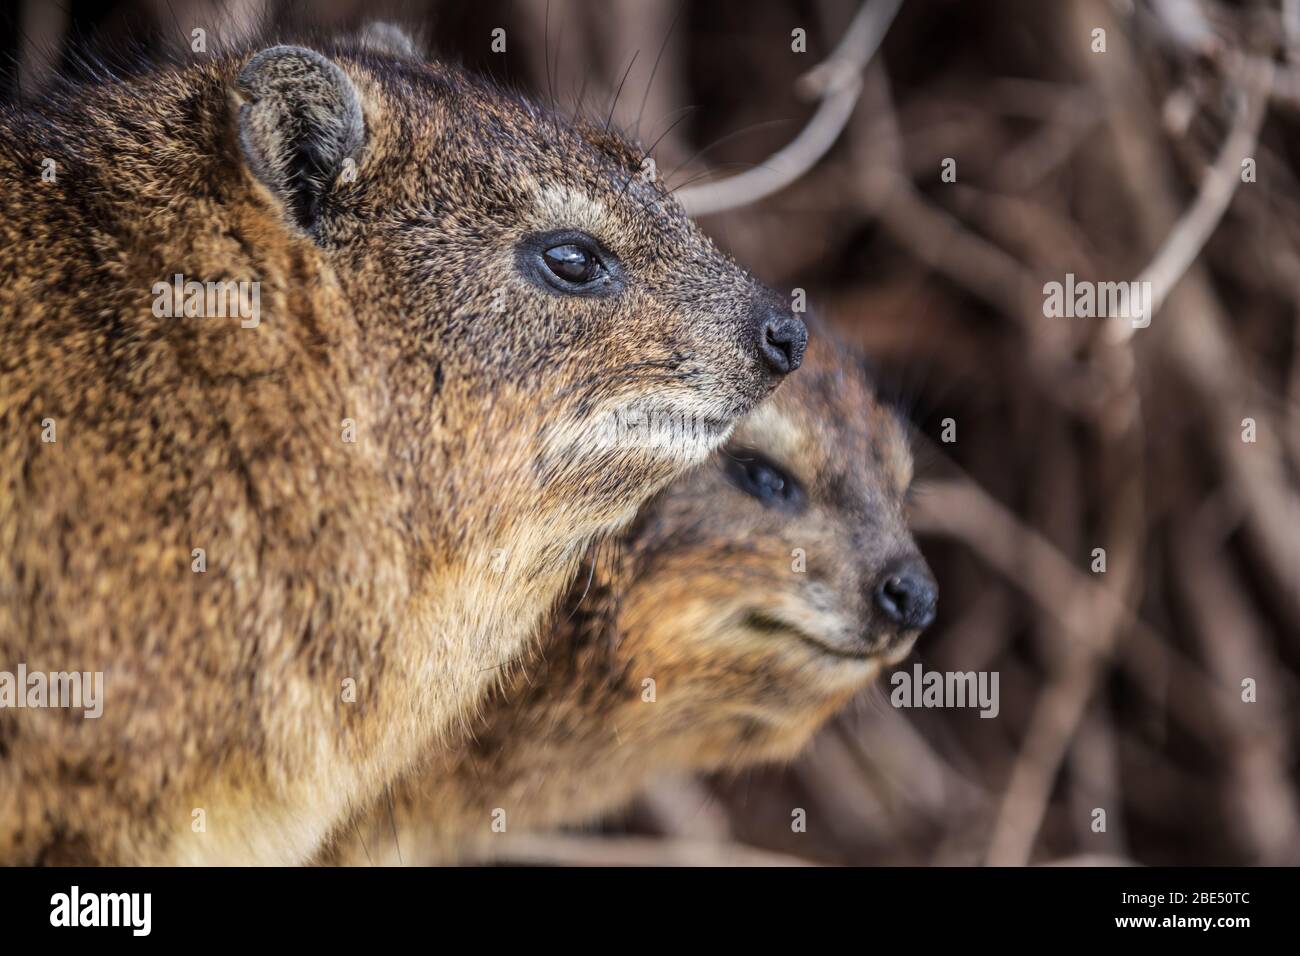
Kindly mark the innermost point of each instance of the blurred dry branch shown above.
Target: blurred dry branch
(836, 82)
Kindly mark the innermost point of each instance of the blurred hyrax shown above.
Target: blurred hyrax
(320, 369)
(743, 608)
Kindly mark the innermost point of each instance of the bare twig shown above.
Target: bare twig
(1189, 236)
(838, 82)
(1265, 814)
(1291, 28)
(684, 808)
(1095, 782)
(959, 509)
(1199, 343)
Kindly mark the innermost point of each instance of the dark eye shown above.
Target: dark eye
(761, 478)
(572, 263)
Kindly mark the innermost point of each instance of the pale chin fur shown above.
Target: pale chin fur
(685, 432)
(832, 634)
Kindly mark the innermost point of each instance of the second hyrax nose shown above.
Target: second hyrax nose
(907, 596)
(781, 341)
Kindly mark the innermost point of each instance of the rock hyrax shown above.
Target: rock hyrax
(757, 595)
(320, 369)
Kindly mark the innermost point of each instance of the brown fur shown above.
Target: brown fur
(748, 656)
(374, 562)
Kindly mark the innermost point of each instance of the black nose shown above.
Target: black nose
(907, 595)
(781, 341)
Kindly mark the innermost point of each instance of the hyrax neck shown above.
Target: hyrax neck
(565, 735)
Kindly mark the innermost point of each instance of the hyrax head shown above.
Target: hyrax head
(775, 582)
(548, 312)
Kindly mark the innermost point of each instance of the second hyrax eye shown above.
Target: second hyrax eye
(761, 478)
(572, 263)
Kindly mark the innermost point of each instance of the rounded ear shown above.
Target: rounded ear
(300, 121)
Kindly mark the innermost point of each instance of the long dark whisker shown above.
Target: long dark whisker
(686, 112)
(655, 69)
(362, 840)
(546, 50)
(725, 139)
(709, 172)
(559, 48)
(604, 381)
(577, 110)
(619, 91)
(632, 176)
(392, 820)
(622, 372)
(593, 555)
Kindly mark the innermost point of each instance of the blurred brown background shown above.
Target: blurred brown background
(1120, 690)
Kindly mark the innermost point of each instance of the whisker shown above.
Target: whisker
(620, 369)
(655, 69)
(362, 840)
(726, 139)
(392, 820)
(582, 93)
(619, 91)
(591, 574)
(546, 50)
(604, 383)
(686, 112)
(622, 192)
(552, 83)
(709, 172)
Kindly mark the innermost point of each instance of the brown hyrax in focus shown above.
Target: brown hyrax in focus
(320, 368)
(757, 595)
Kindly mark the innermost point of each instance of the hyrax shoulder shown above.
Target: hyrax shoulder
(310, 357)
(745, 605)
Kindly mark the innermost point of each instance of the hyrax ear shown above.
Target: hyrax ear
(300, 120)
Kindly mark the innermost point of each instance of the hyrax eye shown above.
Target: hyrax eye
(760, 477)
(572, 263)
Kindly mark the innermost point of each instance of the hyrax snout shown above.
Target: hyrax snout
(300, 543)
